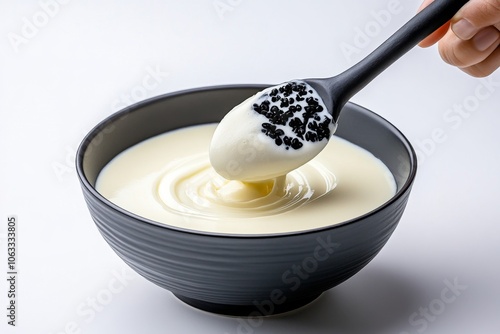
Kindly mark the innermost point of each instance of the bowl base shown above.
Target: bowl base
(248, 310)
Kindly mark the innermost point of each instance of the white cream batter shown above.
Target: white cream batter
(267, 123)
(169, 179)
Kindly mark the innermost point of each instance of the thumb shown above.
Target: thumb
(474, 16)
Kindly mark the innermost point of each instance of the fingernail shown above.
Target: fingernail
(485, 38)
(463, 29)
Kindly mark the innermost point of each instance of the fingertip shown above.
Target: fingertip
(486, 38)
(426, 43)
(477, 14)
(464, 29)
(435, 36)
(459, 53)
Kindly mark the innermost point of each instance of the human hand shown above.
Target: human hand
(470, 41)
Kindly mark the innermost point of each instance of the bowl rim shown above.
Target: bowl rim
(138, 105)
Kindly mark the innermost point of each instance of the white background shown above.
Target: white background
(65, 67)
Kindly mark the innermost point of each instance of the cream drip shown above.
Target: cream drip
(191, 186)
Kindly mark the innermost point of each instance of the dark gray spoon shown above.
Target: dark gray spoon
(336, 91)
(296, 123)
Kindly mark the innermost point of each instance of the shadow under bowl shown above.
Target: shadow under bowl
(248, 275)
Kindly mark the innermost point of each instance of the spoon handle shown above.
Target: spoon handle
(343, 86)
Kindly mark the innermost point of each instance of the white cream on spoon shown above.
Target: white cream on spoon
(271, 133)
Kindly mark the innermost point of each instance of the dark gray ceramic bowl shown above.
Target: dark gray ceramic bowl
(240, 274)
